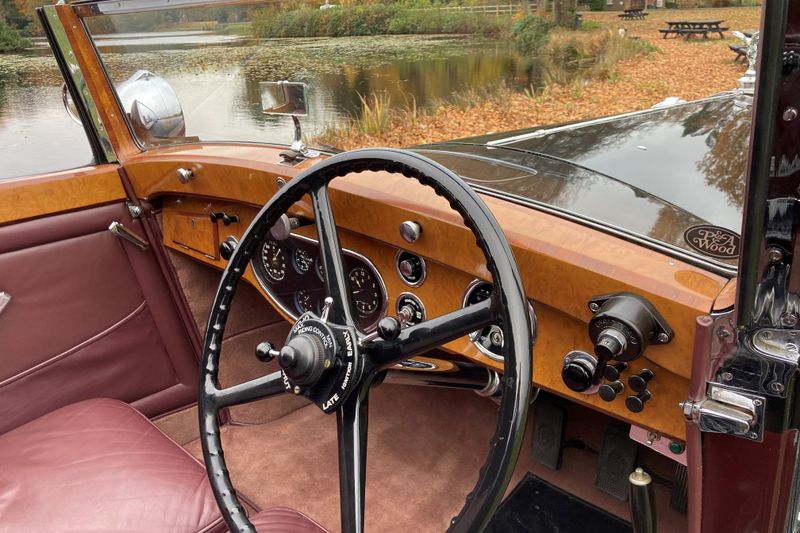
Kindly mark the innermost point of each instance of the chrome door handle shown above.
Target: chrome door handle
(4, 299)
(118, 230)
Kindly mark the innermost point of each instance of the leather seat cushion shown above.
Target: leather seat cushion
(284, 520)
(100, 465)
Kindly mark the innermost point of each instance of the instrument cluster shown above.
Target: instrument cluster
(291, 272)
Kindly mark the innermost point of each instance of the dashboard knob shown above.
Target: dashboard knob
(635, 404)
(578, 371)
(612, 372)
(609, 391)
(227, 247)
(410, 231)
(638, 383)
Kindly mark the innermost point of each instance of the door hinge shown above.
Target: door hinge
(728, 410)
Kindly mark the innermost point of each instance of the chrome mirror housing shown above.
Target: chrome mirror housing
(288, 98)
(152, 106)
(284, 98)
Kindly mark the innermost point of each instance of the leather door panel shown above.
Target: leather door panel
(90, 315)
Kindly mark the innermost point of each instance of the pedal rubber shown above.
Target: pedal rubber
(679, 499)
(617, 460)
(548, 434)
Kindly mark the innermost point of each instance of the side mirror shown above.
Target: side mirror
(153, 107)
(284, 98)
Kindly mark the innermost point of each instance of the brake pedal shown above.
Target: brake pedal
(679, 499)
(548, 434)
(616, 462)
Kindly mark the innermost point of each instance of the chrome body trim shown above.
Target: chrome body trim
(118, 7)
(293, 313)
(65, 51)
(422, 262)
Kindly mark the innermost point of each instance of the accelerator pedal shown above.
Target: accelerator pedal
(617, 460)
(679, 500)
(547, 441)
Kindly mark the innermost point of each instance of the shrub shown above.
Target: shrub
(597, 5)
(530, 34)
(10, 39)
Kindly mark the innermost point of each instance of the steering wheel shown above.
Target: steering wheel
(330, 362)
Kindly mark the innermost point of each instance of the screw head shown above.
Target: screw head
(789, 319)
(753, 435)
(663, 337)
(297, 389)
(593, 307)
(726, 376)
(774, 254)
(757, 402)
(327, 363)
(776, 387)
(789, 114)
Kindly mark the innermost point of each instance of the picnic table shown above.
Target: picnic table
(688, 28)
(633, 14)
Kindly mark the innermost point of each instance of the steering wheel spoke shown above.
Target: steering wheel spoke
(334, 273)
(250, 391)
(351, 421)
(432, 333)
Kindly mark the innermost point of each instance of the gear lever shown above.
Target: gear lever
(642, 502)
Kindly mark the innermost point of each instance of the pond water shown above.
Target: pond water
(216, 78)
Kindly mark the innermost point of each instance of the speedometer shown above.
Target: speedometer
(273, 259)
(366, 292)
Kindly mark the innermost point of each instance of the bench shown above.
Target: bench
(740, 50)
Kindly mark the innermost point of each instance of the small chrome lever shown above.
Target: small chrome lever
(118, 230)
(4, 299)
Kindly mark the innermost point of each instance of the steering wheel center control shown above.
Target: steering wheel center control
(622, 327)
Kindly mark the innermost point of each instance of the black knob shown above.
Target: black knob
(610, 343)
(389, 328)
(578, 372)
(265, 352)
(224, 217)
(609, 391)
(638, 383)
(635, 404)
(227, 247)
(612, 372)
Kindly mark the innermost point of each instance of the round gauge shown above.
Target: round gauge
(366, 293)
(480, 292)
(273, 260)
(302, 260)
(304, 301)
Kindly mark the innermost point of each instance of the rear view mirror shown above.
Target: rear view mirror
(284, 98)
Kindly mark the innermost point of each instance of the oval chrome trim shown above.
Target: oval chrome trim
(422, 262)
(293, 314)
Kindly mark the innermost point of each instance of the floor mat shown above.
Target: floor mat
(536, 506)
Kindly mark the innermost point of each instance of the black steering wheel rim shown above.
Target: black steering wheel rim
(507, 307)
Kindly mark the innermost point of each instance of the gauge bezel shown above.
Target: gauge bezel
(292, 313)
(415, 297)
(296, 266)
(422, 262)
(282, 249)
(473, 336)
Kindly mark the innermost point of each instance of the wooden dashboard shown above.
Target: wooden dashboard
(563, 264)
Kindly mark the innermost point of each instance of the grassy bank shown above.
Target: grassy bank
(373, 19)
(571, 62)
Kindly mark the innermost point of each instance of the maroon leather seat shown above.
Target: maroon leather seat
(99, 465)
(283, 520)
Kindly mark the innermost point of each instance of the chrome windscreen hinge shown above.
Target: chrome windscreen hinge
(729, 411)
